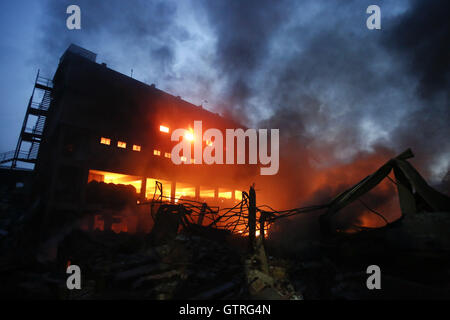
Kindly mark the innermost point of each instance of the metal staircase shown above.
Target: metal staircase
(35, 117)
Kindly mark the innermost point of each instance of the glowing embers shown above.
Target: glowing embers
(164, 129)
(106, 141)
(116, 178)
(136, 147)
(121, 144)
(156, 152)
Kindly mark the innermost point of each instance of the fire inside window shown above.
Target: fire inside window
(121, 144)
(156, 152)
(207, 193)
(164, 129)
(150, 188)
(167, 155)
(136, 147)
(105, 141)
(225, 194)
(181, 189)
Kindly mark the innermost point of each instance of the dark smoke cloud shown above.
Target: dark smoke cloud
(244, 31)
(144, 32)
(422, 38)
(337, 87)
(345, 98)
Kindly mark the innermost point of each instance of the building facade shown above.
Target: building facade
(104, 126)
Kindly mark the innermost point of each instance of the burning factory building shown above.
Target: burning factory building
(92, 127)
(224, 150)
(105, 194)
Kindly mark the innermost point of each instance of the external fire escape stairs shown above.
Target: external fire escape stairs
(33, 125)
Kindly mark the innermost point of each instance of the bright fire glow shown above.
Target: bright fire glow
(156, 152)
(206, 193)
(184, 190)
(150, 191)
(189, 135)
(225, 194)
(164, 129)
(257, 233)
(105, 141)
(116, 178)
(121, 144)
(136, 147)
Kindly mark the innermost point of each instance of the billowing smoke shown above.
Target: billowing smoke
(341, 95)
(141, 33)
(421, 39)
(345, 98)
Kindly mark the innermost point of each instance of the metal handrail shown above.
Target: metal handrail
(33, 130)
(6, 155)
(44, 81)
(9, 156)
(39, 105)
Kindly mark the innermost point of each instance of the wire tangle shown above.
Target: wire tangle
(235, 218)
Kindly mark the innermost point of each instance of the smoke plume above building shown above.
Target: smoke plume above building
(345, 98)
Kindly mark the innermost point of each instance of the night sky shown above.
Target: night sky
(310, 68)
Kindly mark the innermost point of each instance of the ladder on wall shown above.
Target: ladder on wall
(33, 125)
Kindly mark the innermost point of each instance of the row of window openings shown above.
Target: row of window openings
(123, 145)
(168, 155)
(120, 144)
(161, 128)
(181, 189)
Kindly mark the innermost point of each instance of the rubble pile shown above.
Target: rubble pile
(413, 255)
(183, 268)
(182, 259)
(193, 265)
